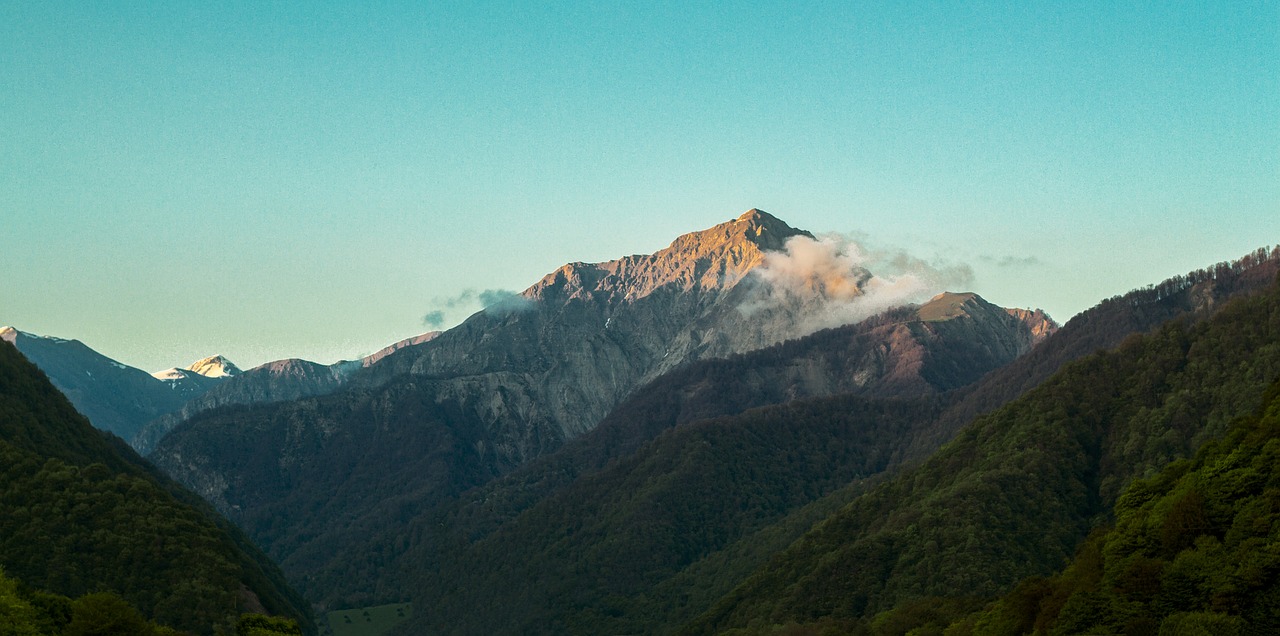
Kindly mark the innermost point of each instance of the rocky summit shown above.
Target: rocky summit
(587, 334)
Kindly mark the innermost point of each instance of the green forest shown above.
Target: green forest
(1015, 494)
(82, 517)
(1194, 549)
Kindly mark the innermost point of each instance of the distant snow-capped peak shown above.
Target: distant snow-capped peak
(172, 375)
(215, 367)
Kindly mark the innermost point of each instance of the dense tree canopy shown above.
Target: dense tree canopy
(1015, 494)
(81, 514)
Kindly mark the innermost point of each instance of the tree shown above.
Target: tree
(105, 614)
(17, 617)
(260, 625)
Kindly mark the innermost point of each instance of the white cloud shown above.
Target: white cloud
(831, 279)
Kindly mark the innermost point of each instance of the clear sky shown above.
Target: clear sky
(273, 179)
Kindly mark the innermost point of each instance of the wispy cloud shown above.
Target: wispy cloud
(500, 302)
(838, 280)
(496, 302)
(1013, 262)
(433, 319)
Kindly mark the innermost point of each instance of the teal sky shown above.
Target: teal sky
(276, 179)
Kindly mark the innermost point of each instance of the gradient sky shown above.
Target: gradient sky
(276, 179)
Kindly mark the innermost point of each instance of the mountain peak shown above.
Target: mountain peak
(715, 258)
(762, 218)
(948, 305)
(214, 367)
(8, 334)
(759, 227)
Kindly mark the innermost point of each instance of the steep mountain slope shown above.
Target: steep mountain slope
(599, 480)
(1193, 548)
(598, 555)
(1190, 297)
(277, 381)
(593, 538)
(1018, 490)
(285, 471)
(567, 349)
(465, 550)
(80, 512)
(895, 354)
(115, 397)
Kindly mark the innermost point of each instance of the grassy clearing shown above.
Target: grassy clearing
(368, 621)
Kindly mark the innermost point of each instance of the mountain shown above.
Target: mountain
(1020, 488)
(583, 337)
(515, 381)
(586, 335)
(197, 378)
(186, 384)
(1187, 298)
(390, 349)
(215, 367)
(80, 513)
(697, 494)
(667, 480)
(277, 381)
(115, 397)
(375, 458)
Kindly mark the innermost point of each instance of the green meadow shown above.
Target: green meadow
(368, 621)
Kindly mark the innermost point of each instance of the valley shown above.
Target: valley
(639, 319)
(659, 444)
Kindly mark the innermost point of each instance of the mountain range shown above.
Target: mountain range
(740, 433)
(659, 532)
(116, 397)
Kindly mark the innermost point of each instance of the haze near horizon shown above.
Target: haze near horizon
(179, 181)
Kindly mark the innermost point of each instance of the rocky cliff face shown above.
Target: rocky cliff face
(277, 381)
(578, 341)
(1042, 326)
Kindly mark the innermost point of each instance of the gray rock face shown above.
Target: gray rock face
(272, 382)
(277, 381)
(587, 334)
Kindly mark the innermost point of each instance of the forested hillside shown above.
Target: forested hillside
(1017, 491)
(1195, 549)
(600, 555)
(81, 513)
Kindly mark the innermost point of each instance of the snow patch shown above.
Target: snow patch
(170, 375)
(214, 367)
